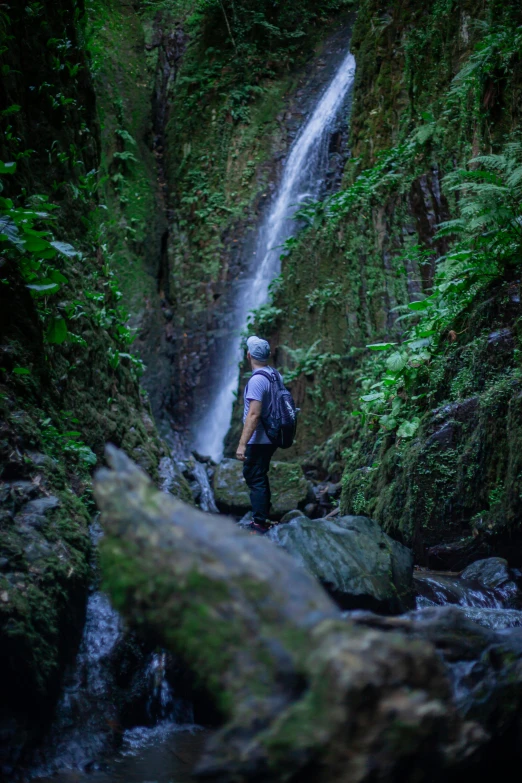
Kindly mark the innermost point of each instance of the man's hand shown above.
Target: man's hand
(251, 422)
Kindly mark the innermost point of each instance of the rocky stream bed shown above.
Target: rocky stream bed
(130, 711)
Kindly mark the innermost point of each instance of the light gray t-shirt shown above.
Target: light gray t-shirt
(258, 388)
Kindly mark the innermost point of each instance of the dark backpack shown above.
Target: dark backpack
(281, 422)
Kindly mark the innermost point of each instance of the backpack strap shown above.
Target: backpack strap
(271, 376)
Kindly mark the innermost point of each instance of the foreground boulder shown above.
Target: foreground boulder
(361, 566)
(303, 694)
(484, 665)
(289, 488)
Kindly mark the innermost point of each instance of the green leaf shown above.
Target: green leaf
(35, 244)
(43, 287)
(396, 405)
(65, 249)
(408, 429)
(423, 304)
(57, 277)
(9, 231)
(380, 346)
(396, 362)
(87, 455)
(47, 254)
(21, 371)
(372, 397)
(7, 168)
(56, 333)
(388, 422)
(13, 109)
(72, 434)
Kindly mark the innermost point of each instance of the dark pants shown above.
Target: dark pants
(255, 471)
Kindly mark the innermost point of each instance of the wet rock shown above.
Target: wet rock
(502, 337)
(484, 666)
(294, 514)
(462, 410)
(354, 559)
(494, 574)
(41, 505)
(298, 688)
(436, 589)
(444, 436)
(496, 619)
(230, 490)
(246, 519)
(290, 489)
(173, 481)
(288, 484)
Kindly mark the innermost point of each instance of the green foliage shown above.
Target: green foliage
(320, 298)
(246, 41)
(498, 45)
(308, 361)
(69, 443)
(27, 239)
(487, 245)
(484, 241)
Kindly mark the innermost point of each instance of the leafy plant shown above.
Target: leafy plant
(487, 245)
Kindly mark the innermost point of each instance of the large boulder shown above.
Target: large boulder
(289, 488)
(361, 566)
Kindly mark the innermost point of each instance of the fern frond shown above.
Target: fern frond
(495, 162)
(515, 178)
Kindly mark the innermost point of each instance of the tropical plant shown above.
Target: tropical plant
(487, 245)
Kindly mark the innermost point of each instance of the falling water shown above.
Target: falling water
(303, 179)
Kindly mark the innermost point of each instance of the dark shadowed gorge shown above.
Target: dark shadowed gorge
(147, 148)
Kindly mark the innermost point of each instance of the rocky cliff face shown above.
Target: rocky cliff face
(193, 137)
(68, 383)
(432, 452)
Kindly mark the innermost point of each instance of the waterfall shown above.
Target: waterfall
(303, 178)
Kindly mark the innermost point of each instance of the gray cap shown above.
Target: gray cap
(259, 348)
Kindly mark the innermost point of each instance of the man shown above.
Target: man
(255, 448)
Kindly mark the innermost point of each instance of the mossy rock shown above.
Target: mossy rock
(288, 484)
(354, 559)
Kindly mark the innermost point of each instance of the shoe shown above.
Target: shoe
(257, 527)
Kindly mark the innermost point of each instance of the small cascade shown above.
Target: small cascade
(435, 589)
(160, 703)
(99, 700)
(494, 607)
(195, 470)
(206, 495)
(86, 716)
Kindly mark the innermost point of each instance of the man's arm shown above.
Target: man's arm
(251, 422)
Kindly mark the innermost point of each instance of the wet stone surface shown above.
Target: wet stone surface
(290, 489)
(354, 559)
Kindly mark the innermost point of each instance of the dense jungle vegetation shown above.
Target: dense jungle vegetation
(140, 144)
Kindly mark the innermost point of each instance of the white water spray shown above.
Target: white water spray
(303, 178)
